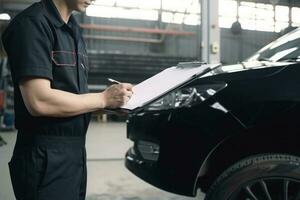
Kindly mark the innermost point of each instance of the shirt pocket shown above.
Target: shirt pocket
(64, 71)
(64, 58)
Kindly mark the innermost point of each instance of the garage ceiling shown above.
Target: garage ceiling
(281, 2)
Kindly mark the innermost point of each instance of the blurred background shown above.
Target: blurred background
(131, 40)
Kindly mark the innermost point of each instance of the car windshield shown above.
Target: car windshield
(286, 48)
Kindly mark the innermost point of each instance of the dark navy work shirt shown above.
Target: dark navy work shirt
(39, 44)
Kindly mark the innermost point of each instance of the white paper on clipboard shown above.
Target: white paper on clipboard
(163, 82)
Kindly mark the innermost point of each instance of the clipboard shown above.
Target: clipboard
(162, 83)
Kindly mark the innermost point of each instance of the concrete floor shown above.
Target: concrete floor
(108, 179)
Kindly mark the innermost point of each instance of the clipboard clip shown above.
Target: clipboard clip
(190, 64)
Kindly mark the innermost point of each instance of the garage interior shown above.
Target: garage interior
(132, 40)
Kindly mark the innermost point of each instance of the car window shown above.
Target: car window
(286, 48)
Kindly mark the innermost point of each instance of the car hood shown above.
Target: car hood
(244, 66)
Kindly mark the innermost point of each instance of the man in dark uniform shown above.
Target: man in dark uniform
(49, 68)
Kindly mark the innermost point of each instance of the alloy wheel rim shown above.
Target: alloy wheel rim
(274, 188)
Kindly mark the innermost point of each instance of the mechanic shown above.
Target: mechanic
(49, 67)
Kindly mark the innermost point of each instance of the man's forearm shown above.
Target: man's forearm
(59, 103)
(41, 100)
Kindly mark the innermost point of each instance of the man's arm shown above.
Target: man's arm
(41, 100)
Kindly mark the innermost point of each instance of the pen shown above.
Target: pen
(113, 81)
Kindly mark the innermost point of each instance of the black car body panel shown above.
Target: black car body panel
(260, 100)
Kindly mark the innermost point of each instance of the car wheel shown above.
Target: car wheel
(260, 177)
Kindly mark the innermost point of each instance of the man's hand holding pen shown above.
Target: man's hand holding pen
(117, 94)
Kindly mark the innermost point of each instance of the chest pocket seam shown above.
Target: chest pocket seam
(64, 58)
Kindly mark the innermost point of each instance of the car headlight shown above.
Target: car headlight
(187, 96)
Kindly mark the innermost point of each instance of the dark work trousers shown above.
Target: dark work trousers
(49, 168)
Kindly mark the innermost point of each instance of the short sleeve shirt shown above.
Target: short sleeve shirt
(40, 45)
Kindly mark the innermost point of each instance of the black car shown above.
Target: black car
(233, 132)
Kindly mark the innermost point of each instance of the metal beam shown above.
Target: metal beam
(124, 39)
(210, 31)
(135, 30)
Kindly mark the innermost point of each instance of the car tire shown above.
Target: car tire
(268, 176)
